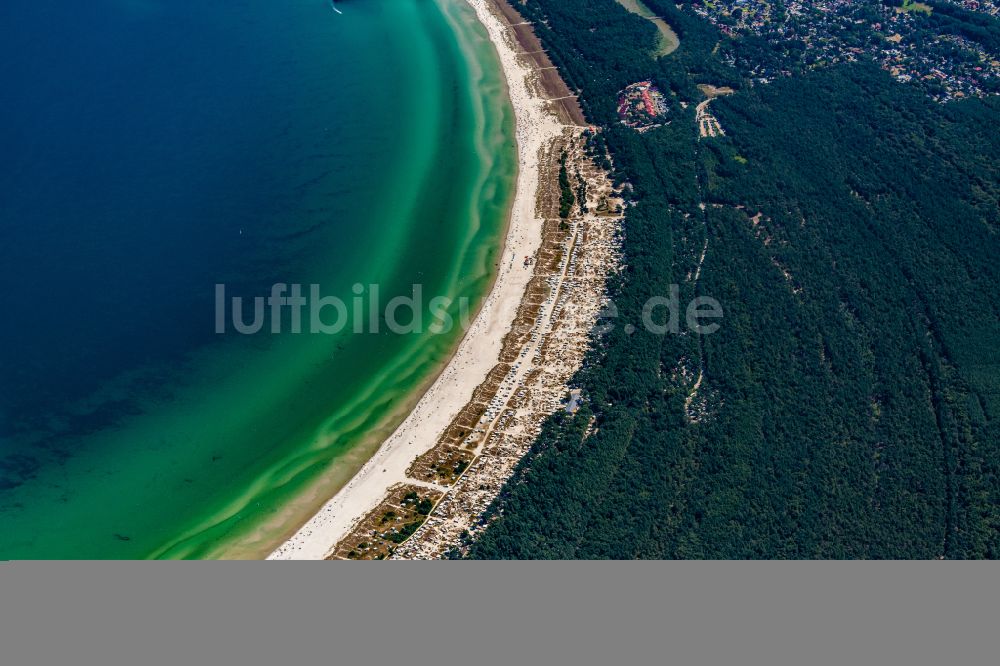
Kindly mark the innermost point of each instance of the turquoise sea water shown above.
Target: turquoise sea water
(155, 149)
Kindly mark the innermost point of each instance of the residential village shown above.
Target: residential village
(642, 106)
(799, 35)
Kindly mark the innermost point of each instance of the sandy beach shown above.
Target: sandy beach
(479, 350)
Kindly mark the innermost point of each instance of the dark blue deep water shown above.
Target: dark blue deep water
(144, 147)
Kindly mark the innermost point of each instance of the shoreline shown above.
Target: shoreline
(480, 347)
(262, 541)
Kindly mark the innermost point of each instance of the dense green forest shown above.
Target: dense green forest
(849, 402)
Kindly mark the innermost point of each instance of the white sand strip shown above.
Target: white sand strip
(479, 350)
